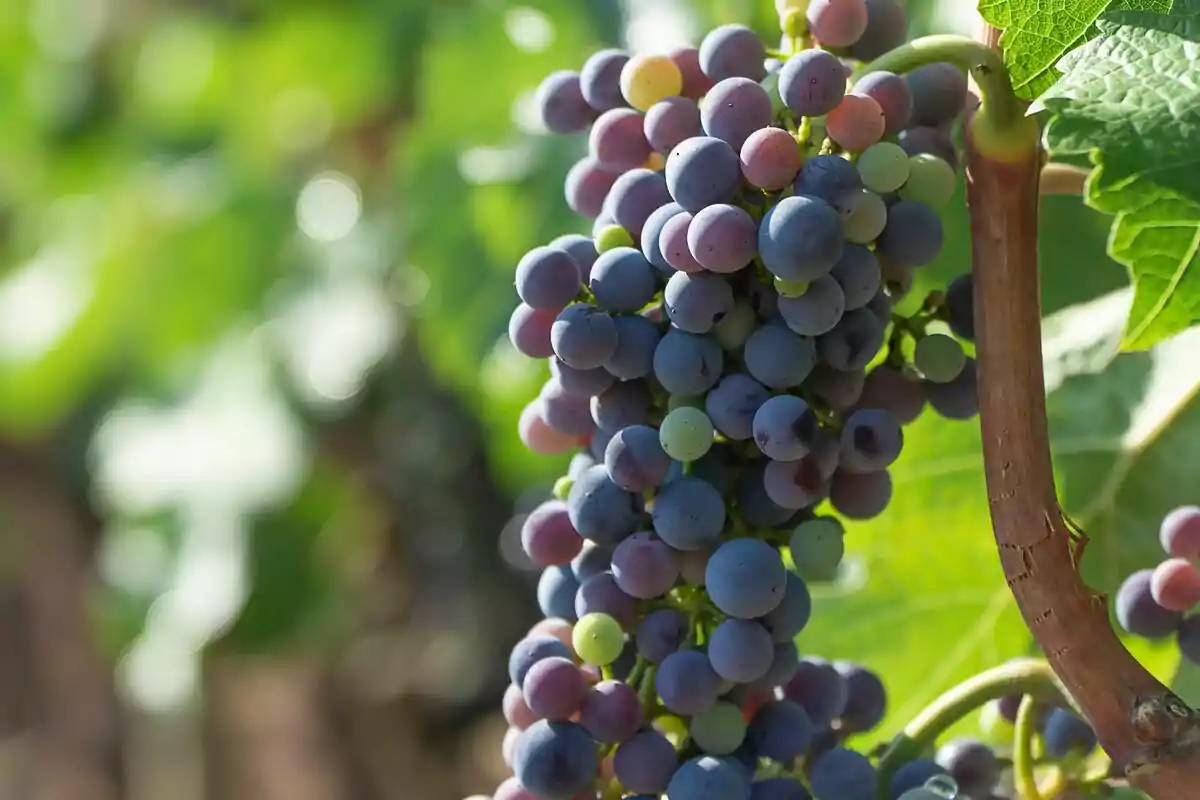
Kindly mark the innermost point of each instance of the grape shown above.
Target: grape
(599, 509)
(933, 141)
(554, 760)
(972, 765)
(598, 638)
(817, 547)
(686, 434)
(732, 51)
(1064, 733)
(687, 364)
(888, 389)
(581, 383)
(1180, 532)
(702, 171)
(866, 698)
(745, 578)
(695, 83)
(721, 238)
(819, 689)
(734, 109)
(516, 712)
(733, 403)
(579, 247)
(600, 79)
(536, 433)
(770, 158)
(511, 789)
(592, 560)
(695, 303)
(622, 280)
(883, 167)
(871, 441)
(779, 789)
(793, 612)
(531, 650)
(887, 29)
(645, 762)
(844, 774)
(583, 336)
(940, 358)
(861, 496)
(733, 331)
(617, 141)
(596, 445)
(1175, 584)
(828, 178)
(529, 331)
(756, 507)
(930, 180)
(548, 537)
(670, 121)
(740, 650)
(547, 279)
(778, 358)
(858, 121)
(624, 404)
(863, 213)
(610, 237)
(586, 187)
(858, 274)
(652, 233)
(611, 712)
(688, 514)
(644, 567)
(794, 484)
(708, 778)
(686, 682)
(553, 626)
(785, 428)
(556, 592)
(783, 666)
(647, 79)
(960, 307)
(958, 399)
(673, 243)
(635, 460)
(812, 83)
(718, 730)
(635, 196)
(786, 288)
(660, 634)
(801, 238)
(837, 23)
(939, 93)
(781, 730)
(881, 307)
(561, 105)
(1188, 639)
(817, 311)
(554, 688)
(637, 338)
(891, 92)
(601, 595)
(913, 775)
(565, 412)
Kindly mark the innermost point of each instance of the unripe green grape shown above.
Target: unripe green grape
(611, 237)
(788, 288)
(939, 357)
(883, 167)
(817, 547)
(864, 215)
(686, 434)
(930, 180)
(735, 327)
(673, 727)
(562, 487)
(598, 639)
(719, 730)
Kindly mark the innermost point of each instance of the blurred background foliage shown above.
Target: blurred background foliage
(258, 407)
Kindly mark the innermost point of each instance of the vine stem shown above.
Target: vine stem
(1138, 720)
(1025, 728)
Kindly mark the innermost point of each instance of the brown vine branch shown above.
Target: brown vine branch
(1140, 723)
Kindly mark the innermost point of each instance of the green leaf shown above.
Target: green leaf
(1037, 33)
(1130, 100)
(924, 600)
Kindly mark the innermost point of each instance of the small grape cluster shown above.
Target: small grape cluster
(724, 354)
(1154, 603)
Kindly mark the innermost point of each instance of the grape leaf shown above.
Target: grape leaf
(927, 570)
(1130, 100)
(1037, 33)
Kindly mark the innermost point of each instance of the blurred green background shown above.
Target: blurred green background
(258, 407)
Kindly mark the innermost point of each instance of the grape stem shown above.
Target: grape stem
(1143, 726)
(1023, 732)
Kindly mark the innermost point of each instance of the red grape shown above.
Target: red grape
(1180, 533)
(1175, 584)
(857, 123)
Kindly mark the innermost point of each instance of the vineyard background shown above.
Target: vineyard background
(258, 408)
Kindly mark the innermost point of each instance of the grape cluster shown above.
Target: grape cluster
(725, 358)
(1154, 603)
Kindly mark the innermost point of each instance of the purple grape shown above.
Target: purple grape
(622, 280)
(1188, 639)
(958, 399)
(818, 310)
(611, 712)
(781, 731)
(866, 698)
(637, 339)
(652, 232)
(547, 279)
(734, 109)
(600, 510)
(794, 484)
(583, 336)
(645, 763)
(793, 612)
(756, 508)
(934, 141)
(1138, 613)
(696, 302)
(721, 238)
(600, 594)
(819, 689)
(686, 682)
(871, 440)
(554, 688)
(838, 390)
(661, 633)
(801, 238)
(858, 274)
(529, 331)
(587, 186)
(673, 244)
(733, 403)
(565, 412)
(854, 342)
(617, 142)
(579, 247)
(972, 764)
(740, 650)
(960, 307)
(733, 51)
(688, 514)
(556, 591)
(686, 364)
(600, 80)
(785, 428)
(812, 83)
(635, 459)
(548, 537)
(561, 104)
(583, 383)
(702, 171)
(939, 93)
(635, 196)
(626, 403)
(891, 92)
(592, 560)
(670, 121)
(827, 178)
(531, 650)
(1065, 733)
(913, 775)
(770, 158)
(644, 567)
(913, 235)
(554, 760)
(844, 774)
(746, 578)
(778, 358)
(887, 29)
(695, 83)
(861, 496)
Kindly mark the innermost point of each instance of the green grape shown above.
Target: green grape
(788, 288)
(685, 401)
(939, 357)
(817, 546)
(864, 215)
(930, 180)
(735, 327)
(598, 639)
(611, 237)
(994, 728)
(883, 167)
(562, 487)
(720, 729)
(686, 434)
(672, 727)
